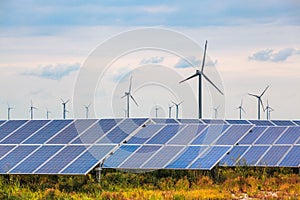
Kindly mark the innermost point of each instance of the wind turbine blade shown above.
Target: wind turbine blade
(67, 101)
(253, 95)
(123, 96)
(264, 91)
(129, 90)
(189, 78)
(241, 102)
(174, 103)
(62, 100)
(262, 105)
(243, 110)
(204, 55)
(181, 102)
(134, 100)
(212, 83)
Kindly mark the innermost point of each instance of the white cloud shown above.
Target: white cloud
(153, 60)
(183, 63)
(269, 55)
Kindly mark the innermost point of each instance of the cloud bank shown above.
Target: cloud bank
(182, 63)
(152, 60)
(272, 56)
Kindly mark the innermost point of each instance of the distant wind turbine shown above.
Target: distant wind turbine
(241, 109)
(47, 113)
(8, 111)
(216, 111)
(177, 107)
(129, 95)
(268, 110)
(32, 108)
(87, 107)
(200, 73)
(156, 110)
(64, 103)
(259, 101)
(170, 106)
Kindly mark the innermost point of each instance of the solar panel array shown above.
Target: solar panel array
(78, 146)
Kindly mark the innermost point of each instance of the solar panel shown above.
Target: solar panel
(164, 135)
(290, 136)
(252, 156)
(261, 122)
(230, 121)
(144, 134)
(35, 160)
(96, 131)
(15, 156)
(162, 157)
(233, 134)
(273, 156)
(252, 135)
(283, 123)
(270, 135)
(4, 150)
(210, 134)
(71, 132)
(24, 132)
(139, 157)
(164, 121)
(190, 121)
(296, 122)
(210, 157)
(1, 122)
(185, 158)
(60, 160)
(9, 127)
(187, 134)
(292, 158)
(88, 160)
(214, 121)
(234, 155)
(119, 156)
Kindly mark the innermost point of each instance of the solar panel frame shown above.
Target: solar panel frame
(290, 136)
(233, 134)
(271, 135)
(186, 135)
(209, 135)
(283, 123)
(164, 121)
(165, 134)
(234, 155)
(252, 135)
(237, 121)
(292, 158)
(262, 122)
(145, 133)
(2, 122)
(272, 157)
(190, 121)
(297, 122)
(214, 121)
(252, 155)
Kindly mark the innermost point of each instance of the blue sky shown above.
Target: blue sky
(43, 43)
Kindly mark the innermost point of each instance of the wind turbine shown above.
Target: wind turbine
(47, 113)
(156, 110)
(87, 107)
(8, 111)
(170, 106)
(216, 110)
(268, 110)
(200, 73)
(129, 95)
(259, 101)
(64, 103)
(177, 107)
(32, 108)
(241, 109)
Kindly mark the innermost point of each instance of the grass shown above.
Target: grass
(223, 183)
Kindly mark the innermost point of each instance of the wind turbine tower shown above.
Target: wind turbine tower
(8, 111)
(199, 73)
(216, 111)
(170, 106)
(87, 107)
(64, 103)
(47, 113)
(269, 110)
(241, 109)
(32, 108)
(156, 111)
(259, 101)
(129, 96)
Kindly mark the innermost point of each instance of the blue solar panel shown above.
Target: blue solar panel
(273, 156)
(35, 160)
(252, 135)
(72, 131)
(234, 155)
(122, 131)
(47, 132)
(214, 121)
(252, 156)
(119, 156)
(283, 123)
(15, 156)
(9, 127)
(290, 136)
(261, 122)
(162, 157)
(190, 121)
(292, 159)
(186, 157)
(296, 122)
(60, 160)
(4, 150)
(24, 132)
(233, 134)
(230, 121)
(88, 160)
(164, 135)
(95, 132)
(210, 134)
(144, 134)
(1, 122)
(210, 157)
(164, 121)
(270, 135)
(139, 157)
(187, 134)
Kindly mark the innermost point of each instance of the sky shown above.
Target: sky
(44, 46)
